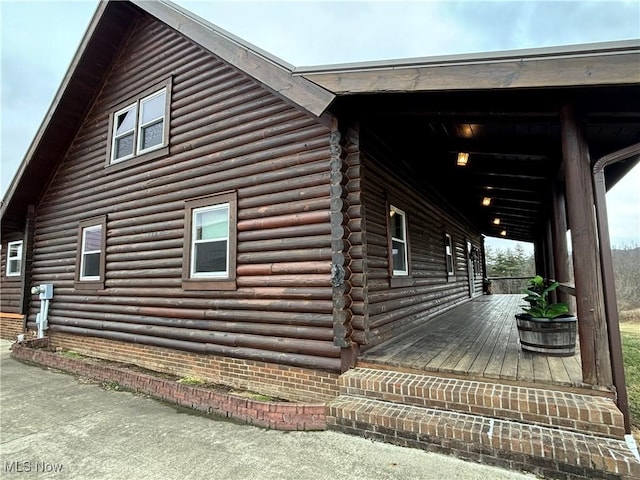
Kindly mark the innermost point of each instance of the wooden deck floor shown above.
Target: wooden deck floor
(477, 340)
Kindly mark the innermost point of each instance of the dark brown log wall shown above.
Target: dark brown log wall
(226, 133)
(392, 309)
(15, 290)
(10, 287)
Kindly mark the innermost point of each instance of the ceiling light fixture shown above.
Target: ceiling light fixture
(503, 233)
(486, 201)
(463, 158)
(496, 221)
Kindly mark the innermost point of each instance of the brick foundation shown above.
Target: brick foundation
(274, 415)
(557, 435)
(291, 383)
(591, 414)
(11, 324)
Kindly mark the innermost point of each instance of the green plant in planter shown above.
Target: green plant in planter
(538, 299)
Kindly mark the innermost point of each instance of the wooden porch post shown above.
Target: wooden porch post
(592, 327)
(548, 253)
(559, 235)
(539, 256)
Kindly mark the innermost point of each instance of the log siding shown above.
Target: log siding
(15, 290)
(393, 305)
(227, 133)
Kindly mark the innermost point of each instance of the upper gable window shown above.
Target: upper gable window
(14, 259)
(140, 128)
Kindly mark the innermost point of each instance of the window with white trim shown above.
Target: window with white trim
(449, 254)
(141, 126)
(210, 241)
(209, 260)
(14, 259)
(91, 253)
(398, 227)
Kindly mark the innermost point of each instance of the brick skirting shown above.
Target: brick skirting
(281, 381)
(592, 414)
(11, 324)
(555, 434)
(274, 415)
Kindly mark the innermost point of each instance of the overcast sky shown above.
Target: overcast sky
(39, 39)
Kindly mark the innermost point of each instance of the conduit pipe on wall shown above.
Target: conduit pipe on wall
(606, 262)
(45, 293)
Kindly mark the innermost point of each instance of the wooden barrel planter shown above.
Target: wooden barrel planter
(555, 337)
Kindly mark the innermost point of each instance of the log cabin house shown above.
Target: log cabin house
(203, 208)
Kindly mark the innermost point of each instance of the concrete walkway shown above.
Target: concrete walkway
(70, 428)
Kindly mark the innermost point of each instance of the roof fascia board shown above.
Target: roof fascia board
(268, 69)
(480, 57)
(18, 177)
(594, 64)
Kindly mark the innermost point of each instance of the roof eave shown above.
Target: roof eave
(609, 63)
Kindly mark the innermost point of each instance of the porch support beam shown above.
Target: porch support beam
(592, 327)
(548, 252)
(559, 236)
(539, 256)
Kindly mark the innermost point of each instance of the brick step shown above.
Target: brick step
(589, 414)
(549, 452)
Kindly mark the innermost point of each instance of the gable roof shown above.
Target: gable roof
(98, 48)
(311, 88)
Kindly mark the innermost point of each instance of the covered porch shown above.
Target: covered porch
(478, 341)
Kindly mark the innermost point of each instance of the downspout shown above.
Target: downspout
(608, 281)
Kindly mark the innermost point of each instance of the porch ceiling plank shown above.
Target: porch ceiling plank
(513, 185)
(509, 211)
(513, 147)
(512, 176)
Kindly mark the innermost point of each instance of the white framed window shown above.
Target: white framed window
(151, 121)
(398, 233)
(14, 258)
(124, 133)
(210, 241)
(141, 126)
(91, 253)
(449, 254)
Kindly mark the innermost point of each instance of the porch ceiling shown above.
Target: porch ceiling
(513, 138)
